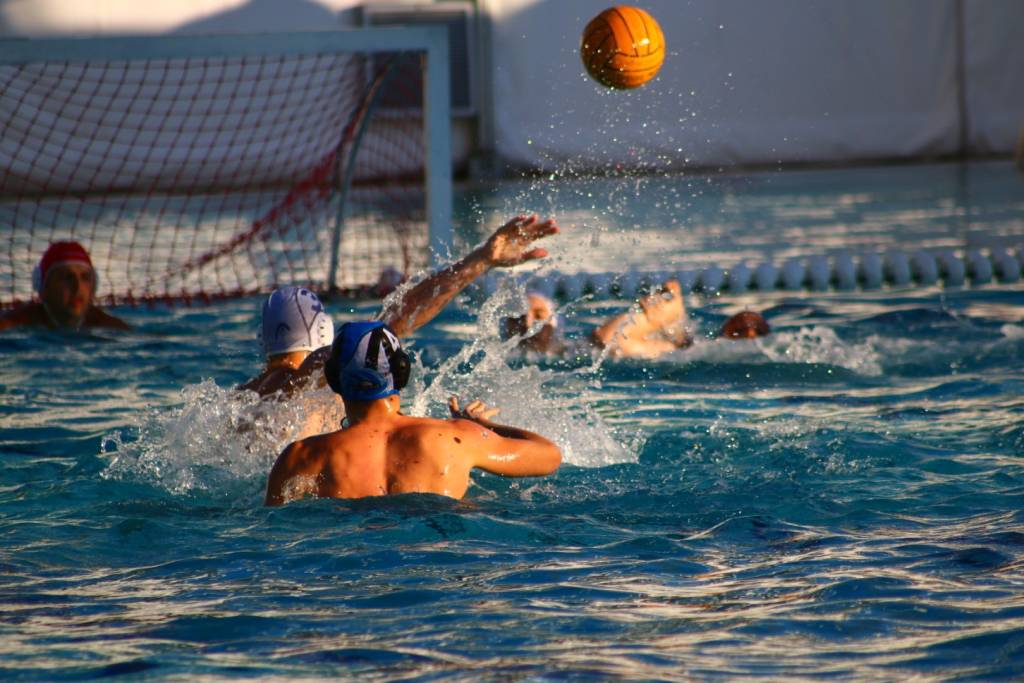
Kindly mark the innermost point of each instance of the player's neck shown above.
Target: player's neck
(372, 411)
(289, 361)
(56, 320)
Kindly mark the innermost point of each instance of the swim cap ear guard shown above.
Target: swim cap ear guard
(367, 362)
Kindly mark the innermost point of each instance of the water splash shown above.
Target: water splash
(805, 345)
(218, 439)
(215, 439)
(551, 402)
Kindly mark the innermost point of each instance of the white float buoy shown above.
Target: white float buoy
(979, 268)
(845, 272)
(793, 273)
(712, 280)
(952, 269)
(687, 280)
(739, 278)
(897, 268)
(871, 271)
(1007, 267)
(818, 274)
(766, 277)
(924, 268)
(629, 284)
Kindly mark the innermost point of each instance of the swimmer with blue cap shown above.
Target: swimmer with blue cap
(381, 451)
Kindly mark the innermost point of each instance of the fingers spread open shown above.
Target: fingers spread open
(538, 230)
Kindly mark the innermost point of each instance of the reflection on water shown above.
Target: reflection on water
(842, 498)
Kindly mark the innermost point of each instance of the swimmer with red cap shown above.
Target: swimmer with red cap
(65, 283)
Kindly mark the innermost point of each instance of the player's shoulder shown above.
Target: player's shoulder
(26, 314)
(315, 359)
(428, 426)
(309, 449)
(97, 317)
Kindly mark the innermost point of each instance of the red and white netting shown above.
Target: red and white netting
(201, 178)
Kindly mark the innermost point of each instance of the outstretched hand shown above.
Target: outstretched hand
(477, 411)
(664, 307)
(511, 244)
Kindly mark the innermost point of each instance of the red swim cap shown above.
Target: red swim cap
(59, 252)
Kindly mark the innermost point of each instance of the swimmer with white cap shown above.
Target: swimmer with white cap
(381, 451)
(293, 324)
(65, 283)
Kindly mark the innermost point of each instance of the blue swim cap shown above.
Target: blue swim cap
(366, 362)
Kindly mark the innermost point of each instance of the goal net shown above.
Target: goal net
(195, 168)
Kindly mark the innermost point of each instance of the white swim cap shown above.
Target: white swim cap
(294, 320)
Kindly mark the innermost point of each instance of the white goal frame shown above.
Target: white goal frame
(431, 40)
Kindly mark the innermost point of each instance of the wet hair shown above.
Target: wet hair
(745, 325)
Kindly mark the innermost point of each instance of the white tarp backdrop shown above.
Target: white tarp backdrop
(994, 77)
(745, 81)
(748, 81)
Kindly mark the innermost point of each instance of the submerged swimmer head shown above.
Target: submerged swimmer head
(367, 362)
(539, 309)
(294, 319)
(745, 325)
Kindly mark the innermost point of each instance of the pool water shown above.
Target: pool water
(840, 499)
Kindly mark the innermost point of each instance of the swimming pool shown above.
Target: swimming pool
(842, 498)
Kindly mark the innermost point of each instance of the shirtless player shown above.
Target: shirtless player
(655, 326)
(381, 451)
(65, 282)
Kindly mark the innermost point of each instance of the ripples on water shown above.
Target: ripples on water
(840, 499)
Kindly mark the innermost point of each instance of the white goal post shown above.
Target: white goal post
(25, 113)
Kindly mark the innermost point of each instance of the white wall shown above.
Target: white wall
(745, 81)
(40, 18)
(994, 73)
(759, 82)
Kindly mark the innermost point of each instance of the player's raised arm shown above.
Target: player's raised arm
(501, 449)
(510, 245)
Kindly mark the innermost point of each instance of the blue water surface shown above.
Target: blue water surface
(842, 499)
